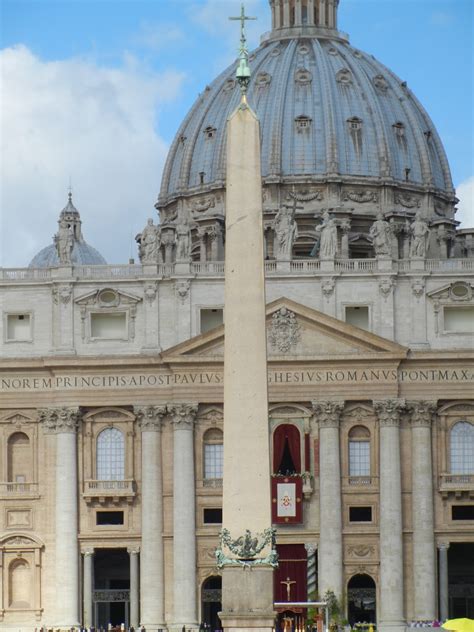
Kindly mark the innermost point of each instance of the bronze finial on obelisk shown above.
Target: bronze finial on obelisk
(246, 553)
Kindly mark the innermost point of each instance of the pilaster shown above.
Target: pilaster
(183, 417)
(327, 414)
(391, 613)
(424, 562)
(443, 581)
(63, 422)
(152, 558)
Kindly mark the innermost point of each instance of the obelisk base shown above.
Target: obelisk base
(247, 599)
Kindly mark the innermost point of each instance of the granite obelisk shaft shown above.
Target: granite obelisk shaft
(247, 596)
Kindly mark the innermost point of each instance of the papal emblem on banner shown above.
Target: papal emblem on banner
(286, 499)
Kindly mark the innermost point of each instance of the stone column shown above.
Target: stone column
(311, 580)
(183, 417)
(87, 588)
(286, 13)
(443, 581)
(134, 588)
(311, 12)
(297, 12)
(424, 561)
(63, 422)
(151, 567)
(327, 414)
(391, 614)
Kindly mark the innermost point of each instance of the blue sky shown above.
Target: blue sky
(133, 69)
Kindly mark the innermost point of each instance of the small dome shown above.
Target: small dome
(81, 254)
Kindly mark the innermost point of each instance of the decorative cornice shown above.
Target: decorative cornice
(59, 420)
(328, 413)
(389, 411)
(422, 412)
(183, 415)
(150, 418)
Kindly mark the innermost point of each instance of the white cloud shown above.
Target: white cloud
(158, 36)
(93, 124)
(465, 193)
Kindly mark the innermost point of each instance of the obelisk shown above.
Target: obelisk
(246, 553)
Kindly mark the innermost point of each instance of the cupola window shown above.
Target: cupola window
(302, 123)
(355, 130)
(399, 129)
(209, 132)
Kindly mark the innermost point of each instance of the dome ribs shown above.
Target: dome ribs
(379, 164)
(327, 101)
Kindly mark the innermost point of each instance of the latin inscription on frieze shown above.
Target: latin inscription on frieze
(159, 379)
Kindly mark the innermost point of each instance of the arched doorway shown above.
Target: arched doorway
(211, 596)
(361, 596)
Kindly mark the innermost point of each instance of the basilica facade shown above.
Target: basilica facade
(111, 376)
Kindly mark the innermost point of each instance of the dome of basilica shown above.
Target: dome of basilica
(337, 127)
(81, 253)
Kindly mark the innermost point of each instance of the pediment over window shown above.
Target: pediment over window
(109, 414)
(295, 331)
(20, 541)
(107, 298)
(459, 291)
(17, 419)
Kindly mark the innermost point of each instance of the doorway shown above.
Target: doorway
(211, 598)
(361, 599)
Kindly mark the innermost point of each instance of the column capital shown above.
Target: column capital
(133, 550)
(328, 412)
(183, 415)
(311, 548)
(87, 552)
(389, 410)
(149, 418)
(60, 419)
(422, 412)
(443, 546)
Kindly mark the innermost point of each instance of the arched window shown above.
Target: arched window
(359, 451)
(19, 458)
(213, 454)
(286, 450)
(462, 448)
(19, 584)
(110, 455)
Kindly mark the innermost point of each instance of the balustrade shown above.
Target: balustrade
(18, 489)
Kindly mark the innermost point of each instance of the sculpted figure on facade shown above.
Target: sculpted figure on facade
(183, 239)
(150, 243)
(286, 231)
(64, 241)
(381, 235)
(328, 239)
(420, 233)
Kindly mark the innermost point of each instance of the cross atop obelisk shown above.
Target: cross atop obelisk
(243, 70)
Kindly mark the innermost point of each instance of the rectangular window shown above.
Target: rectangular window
(459, 320)
(462, 512)
(109, 518)
(213, 460)
(357, 315)
(211, 318)
(18, 327)
(360, 514)
(109, 326)
(359, 458)
(212, 515)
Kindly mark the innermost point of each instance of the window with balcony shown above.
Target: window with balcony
(110, 455)
(19, 466)
(213, 455)
(462, 448)
(286, 450)
(359, 451)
